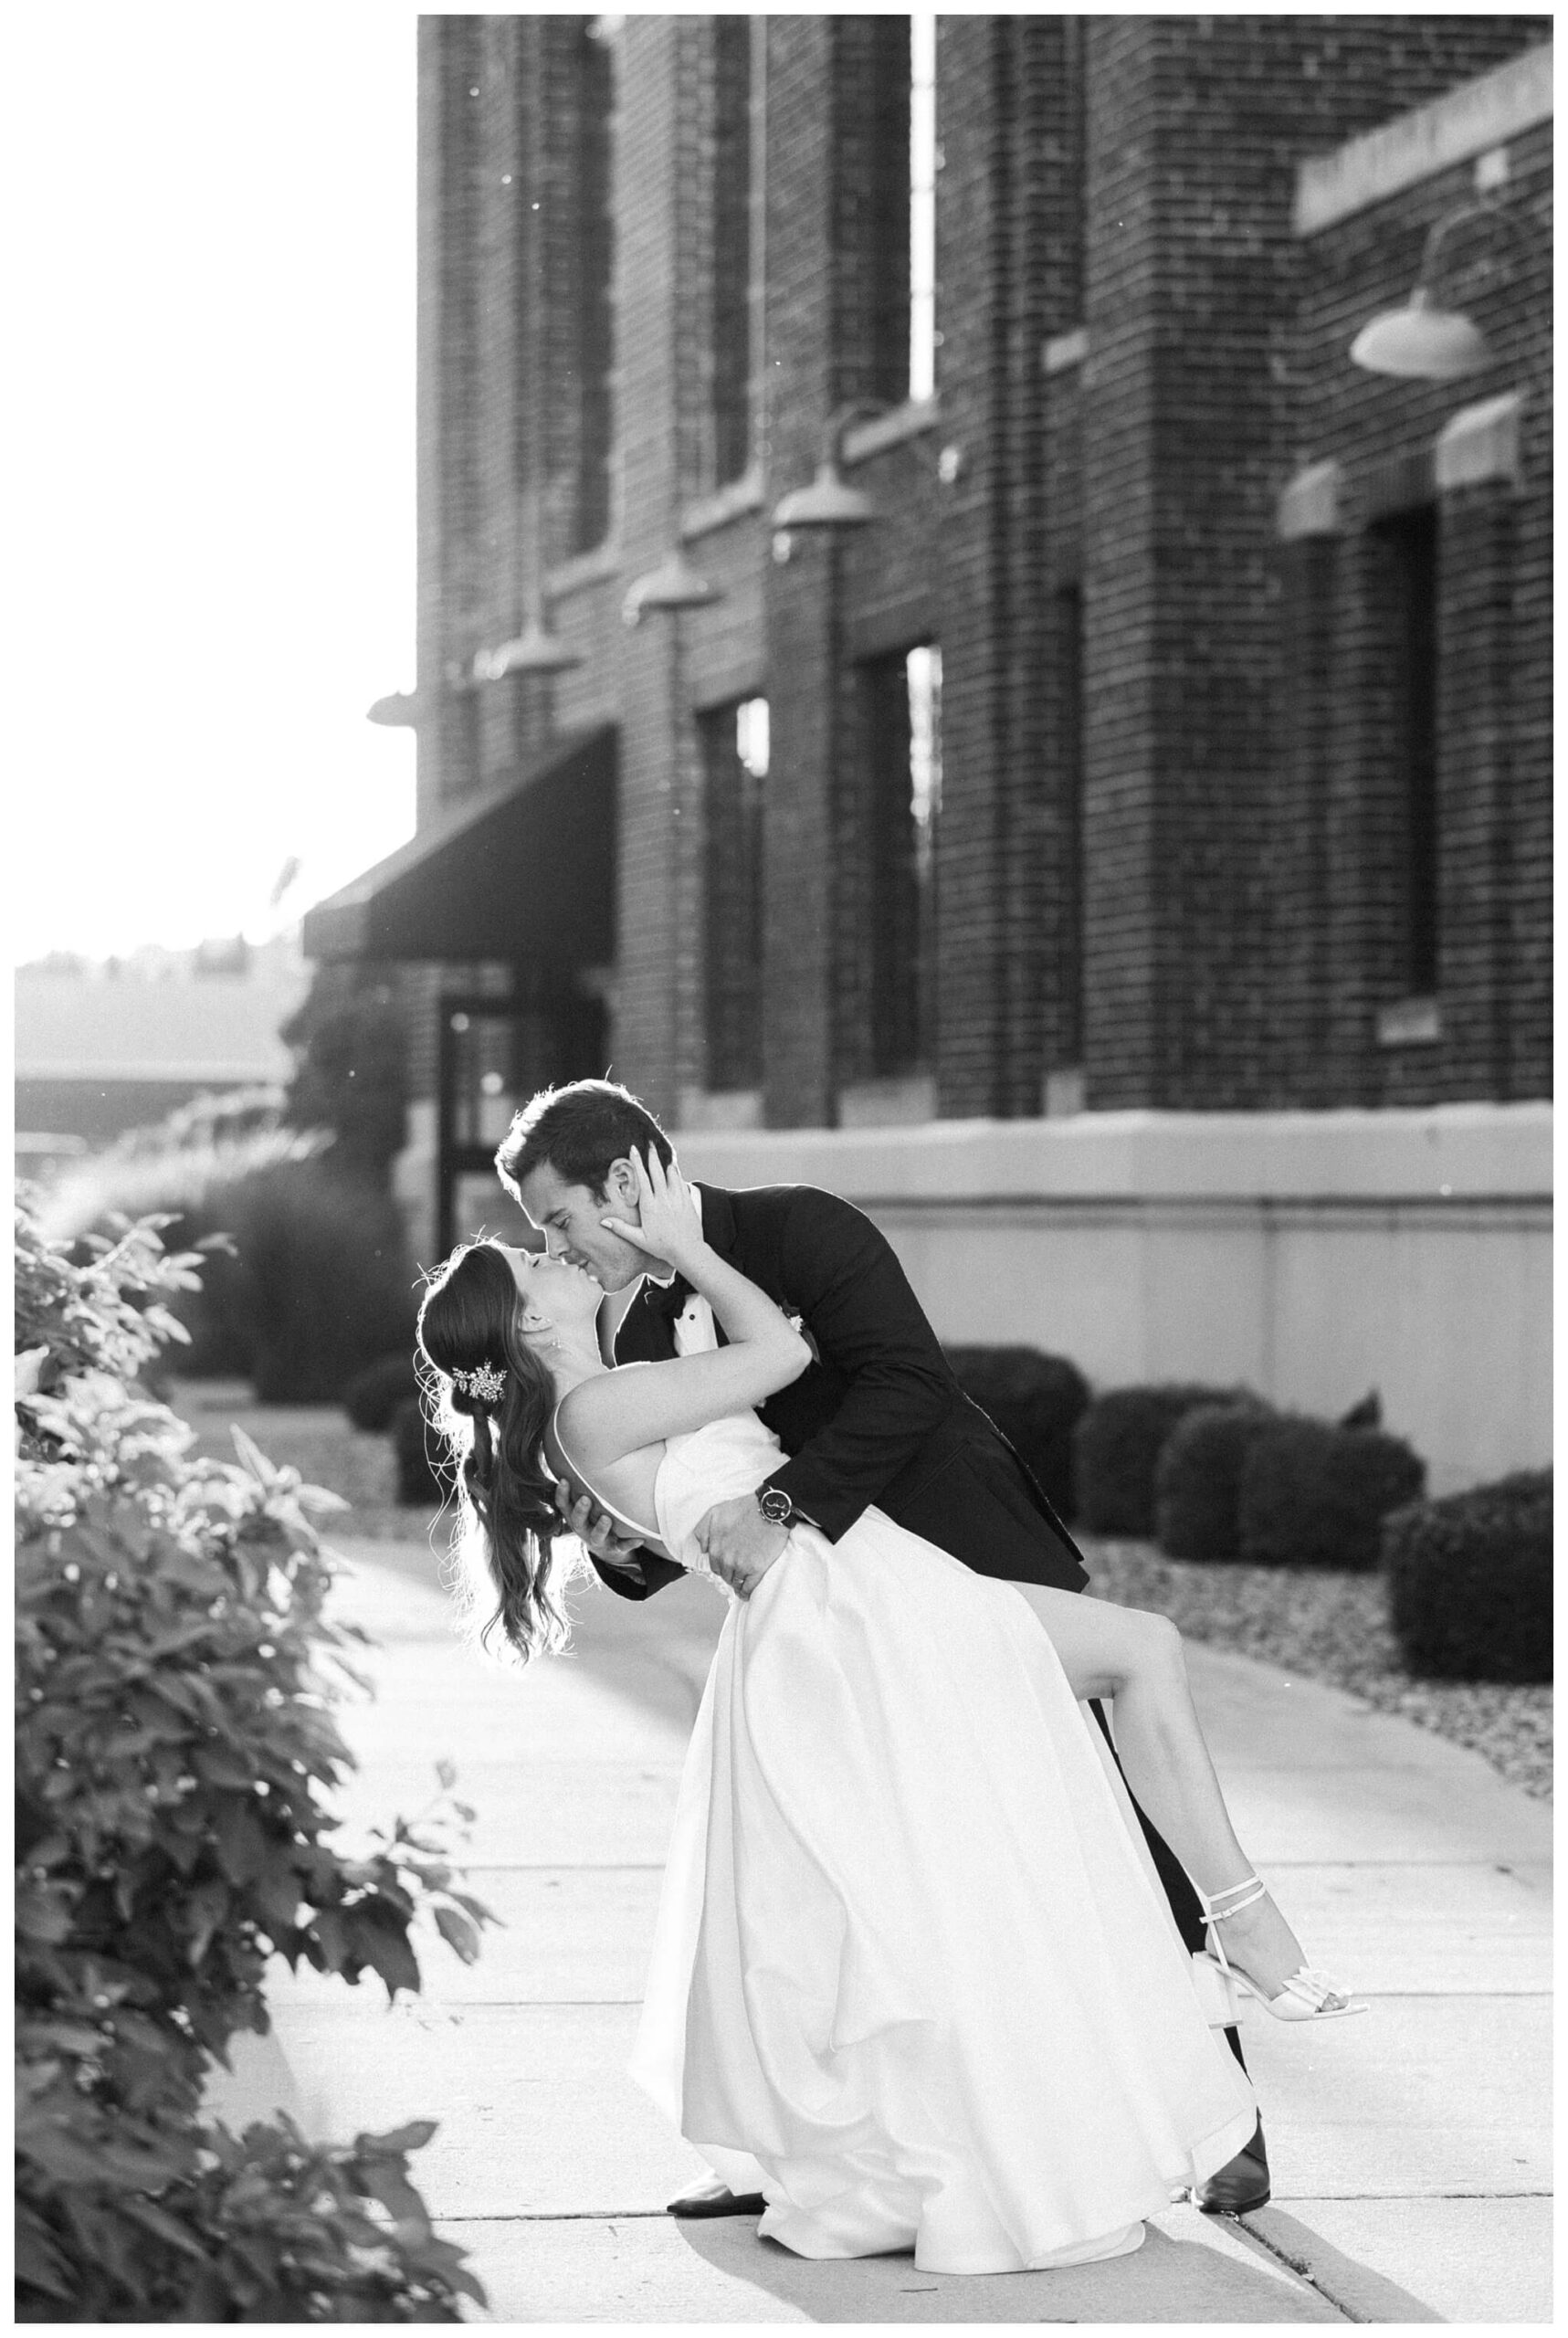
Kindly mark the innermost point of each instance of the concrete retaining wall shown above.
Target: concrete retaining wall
(1312, 1255)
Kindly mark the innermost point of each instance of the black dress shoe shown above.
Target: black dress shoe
(717, 2200)
(1241, 2185)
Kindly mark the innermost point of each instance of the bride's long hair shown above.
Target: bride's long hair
(504, 1545)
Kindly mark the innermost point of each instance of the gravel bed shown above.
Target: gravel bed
(1332, 1628)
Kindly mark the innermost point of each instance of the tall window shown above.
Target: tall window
(735, 742)
(924, 338)
(594, 319)
(904, 735)
(731, 320)
(1069, 702)
(1410, 539)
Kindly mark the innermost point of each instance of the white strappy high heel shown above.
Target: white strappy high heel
(1306, 1996)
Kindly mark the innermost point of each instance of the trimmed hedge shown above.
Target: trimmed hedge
(1034, 1400)
(373, 1395)
(1197, 1479)
(320, 1284)
(1313, 1494)
(1117, 1444)
(418, 1487)
(308, 1277)
(1469, 1581)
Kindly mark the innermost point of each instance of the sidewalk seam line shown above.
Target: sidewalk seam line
(1295, 2265)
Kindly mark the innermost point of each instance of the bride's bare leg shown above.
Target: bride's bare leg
(1138, 1662)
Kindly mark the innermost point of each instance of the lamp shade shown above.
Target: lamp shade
(400, 709)
(1420, 343)
(674, 584)
(827, 502)
(534, 651)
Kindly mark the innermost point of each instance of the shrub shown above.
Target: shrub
(416, 1446)
(172, 1743)
(330, 1278)
(373, 1395)
(1116, 1445)
(1469, 1581)
(174, 1167)
(1034, 1400)
(1313, 1494)
(309, 1278)
(350, 1044)
(1197, 1479)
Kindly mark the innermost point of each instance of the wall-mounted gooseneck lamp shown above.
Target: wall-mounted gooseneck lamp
(1424, 341)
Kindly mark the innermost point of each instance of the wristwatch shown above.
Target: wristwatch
(775, 1505)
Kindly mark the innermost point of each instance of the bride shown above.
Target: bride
(913, 1978)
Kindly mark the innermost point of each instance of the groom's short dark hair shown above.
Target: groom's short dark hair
(579, 1130)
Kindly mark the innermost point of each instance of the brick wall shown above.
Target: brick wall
(1236, 916)
(1494, 916)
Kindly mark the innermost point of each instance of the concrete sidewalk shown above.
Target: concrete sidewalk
(1410, 2148)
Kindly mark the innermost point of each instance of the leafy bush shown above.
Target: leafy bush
(1034, 1400)
(1197, 1479)
(350, 1041)
(1469, 1581)
(373, 1395)
(172, 1741)
(176, 1165)
(1314, 1494)
(309, 1277)
(418, 1483)
(329, 1281)
(1116, 1446)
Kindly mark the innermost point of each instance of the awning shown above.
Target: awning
(523, 869)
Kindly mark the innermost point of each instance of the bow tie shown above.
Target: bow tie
(667, 1300)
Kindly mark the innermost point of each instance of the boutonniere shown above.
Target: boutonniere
(798, 1323)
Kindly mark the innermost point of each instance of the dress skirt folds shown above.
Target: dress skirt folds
(913, 1977)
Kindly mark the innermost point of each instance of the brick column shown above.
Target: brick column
(801, 387)
(1192, 270)
(655, 1014)
(449, 502)
(1008, 278)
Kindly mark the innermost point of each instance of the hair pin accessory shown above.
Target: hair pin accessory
(486, 1382)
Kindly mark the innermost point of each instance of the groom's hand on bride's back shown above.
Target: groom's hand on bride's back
(741, 1543)
(596, 1530)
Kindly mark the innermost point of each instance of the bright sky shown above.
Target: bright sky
(212, 216)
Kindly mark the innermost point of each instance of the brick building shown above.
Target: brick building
(1121, 860)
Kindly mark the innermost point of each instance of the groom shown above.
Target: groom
(877, 1417)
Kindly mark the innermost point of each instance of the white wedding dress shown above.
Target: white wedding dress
(913, 1977)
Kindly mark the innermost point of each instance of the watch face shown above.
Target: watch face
(774, 1504)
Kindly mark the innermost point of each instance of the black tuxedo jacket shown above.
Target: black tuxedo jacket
(879, 1418)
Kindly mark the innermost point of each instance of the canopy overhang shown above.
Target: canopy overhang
(524, 869)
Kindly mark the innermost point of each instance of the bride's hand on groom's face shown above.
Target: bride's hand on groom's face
(667, 1226)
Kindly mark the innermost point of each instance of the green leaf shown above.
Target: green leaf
(458, 1932)
(154, 2219)
(45, 1912)
(412, 2138)
(387, 1952)
(39, 2263)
